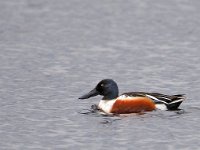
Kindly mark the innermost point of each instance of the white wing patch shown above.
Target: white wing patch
(156, 99)
(124, 97)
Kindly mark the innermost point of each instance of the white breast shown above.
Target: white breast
(106, 105)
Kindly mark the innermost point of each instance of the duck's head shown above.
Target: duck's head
(107, 88)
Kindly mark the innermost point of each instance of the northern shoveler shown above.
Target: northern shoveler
(131, 102)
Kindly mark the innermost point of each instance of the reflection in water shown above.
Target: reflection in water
(106, 118)
(94, 109)
(110, 118)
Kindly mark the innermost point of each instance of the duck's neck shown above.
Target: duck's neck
(110, 96)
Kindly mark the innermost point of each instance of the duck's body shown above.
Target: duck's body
(139, 102)
(132, 102)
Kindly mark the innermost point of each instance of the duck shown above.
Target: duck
(131, 102)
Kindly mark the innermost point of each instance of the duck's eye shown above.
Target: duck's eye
(102, 85)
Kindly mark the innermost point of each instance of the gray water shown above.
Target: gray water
(52, 52)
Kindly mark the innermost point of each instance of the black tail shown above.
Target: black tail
(176, 100)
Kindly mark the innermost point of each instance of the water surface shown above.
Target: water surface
(52, 52)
